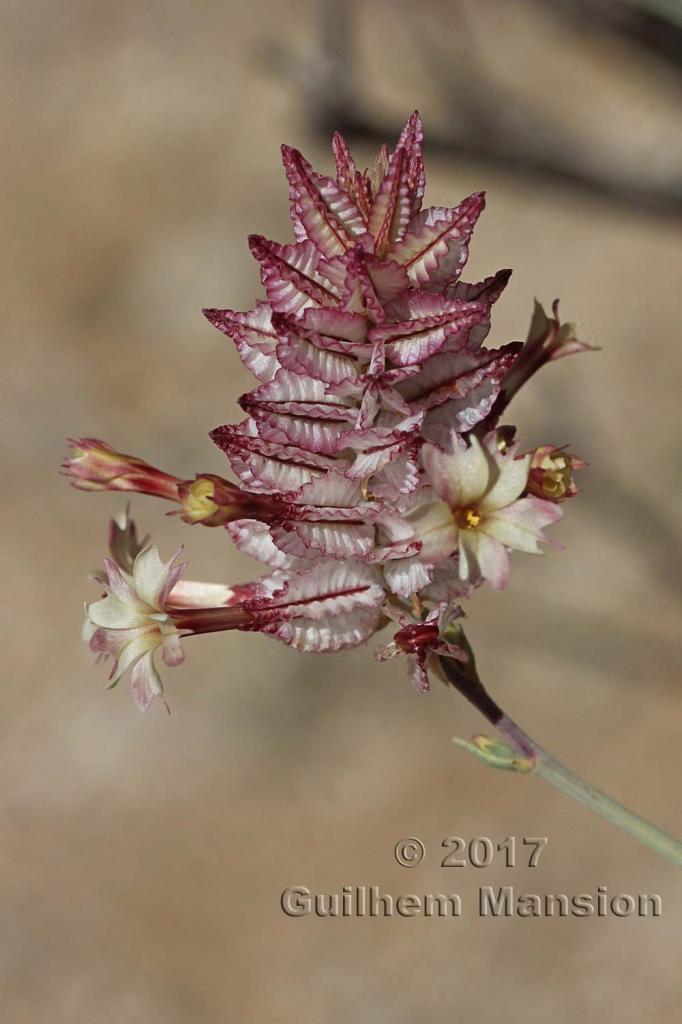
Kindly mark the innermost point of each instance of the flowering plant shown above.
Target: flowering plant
(376, 480)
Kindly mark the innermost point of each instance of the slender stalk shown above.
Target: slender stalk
(562, 778)
(555, 773)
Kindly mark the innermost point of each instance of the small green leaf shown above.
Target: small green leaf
(496, 754)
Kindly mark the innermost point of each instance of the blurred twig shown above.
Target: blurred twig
(654, 25)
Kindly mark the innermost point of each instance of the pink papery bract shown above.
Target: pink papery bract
(369, 346)
(374, 481)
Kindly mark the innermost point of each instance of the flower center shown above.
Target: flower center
(557, 478)
(467, 518)
(199, 502)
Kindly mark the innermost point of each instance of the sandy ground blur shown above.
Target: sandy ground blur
(143, 858)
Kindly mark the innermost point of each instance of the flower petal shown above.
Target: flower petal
(172, 651)
(111, 613)
(119, 585)
(416, 672)
(145, 642)
(460, 476)
(520, 525)
(510, 483)
(493, 561)
(469, 541)
(154, 579)
(145, 683)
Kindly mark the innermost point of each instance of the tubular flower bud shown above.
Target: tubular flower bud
(96, 466)
(124, 546)
(212, 501)
(548, 339)
(551, 473)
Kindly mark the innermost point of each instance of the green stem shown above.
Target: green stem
(526, 755)
(562, 778)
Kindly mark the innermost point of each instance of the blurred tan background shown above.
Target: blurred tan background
(143, 857)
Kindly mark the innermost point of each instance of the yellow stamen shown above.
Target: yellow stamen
(198, 504)
(467, 518)
(365, 491)
(556, 481)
